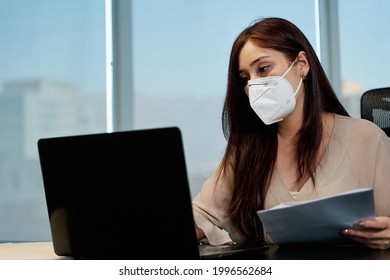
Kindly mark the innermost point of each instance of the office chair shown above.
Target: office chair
(375, 107)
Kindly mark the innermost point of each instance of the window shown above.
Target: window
(364, 48)
(52, 82)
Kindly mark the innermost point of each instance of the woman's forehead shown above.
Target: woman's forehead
(252, 53)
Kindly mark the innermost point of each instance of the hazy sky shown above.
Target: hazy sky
(61, 40)
(65, 39)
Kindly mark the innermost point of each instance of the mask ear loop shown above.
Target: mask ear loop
(299, 85)
(288, 70)
(300, 81)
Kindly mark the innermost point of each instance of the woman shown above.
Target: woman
(289, 138)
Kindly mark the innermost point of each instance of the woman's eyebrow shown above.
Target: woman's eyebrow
(258, 59)
(254, 62)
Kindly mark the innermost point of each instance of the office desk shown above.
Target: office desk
(28, 251)
(346, 252)
(44, 251)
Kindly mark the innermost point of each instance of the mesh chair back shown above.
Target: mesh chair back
(375, 107)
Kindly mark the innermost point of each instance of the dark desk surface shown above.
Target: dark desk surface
(44, 250)
(346, 252)
(328, 252)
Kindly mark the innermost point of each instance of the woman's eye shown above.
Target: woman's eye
(263, 69)
(244, 79)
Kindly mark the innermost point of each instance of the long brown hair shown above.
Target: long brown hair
(251, 150)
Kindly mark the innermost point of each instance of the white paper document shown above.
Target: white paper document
(319, 220)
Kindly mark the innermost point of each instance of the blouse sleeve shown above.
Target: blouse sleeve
(382, 177)
(210, 207)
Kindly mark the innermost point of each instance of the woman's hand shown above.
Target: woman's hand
(373, 233)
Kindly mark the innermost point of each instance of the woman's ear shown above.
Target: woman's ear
(303, 64)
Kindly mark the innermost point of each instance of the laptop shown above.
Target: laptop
(121, 195)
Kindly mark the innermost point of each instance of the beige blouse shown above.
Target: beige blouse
(357, 156)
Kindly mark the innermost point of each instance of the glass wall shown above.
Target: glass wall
(364, 48)
(52, 82)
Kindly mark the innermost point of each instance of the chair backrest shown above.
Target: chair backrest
(375, 107)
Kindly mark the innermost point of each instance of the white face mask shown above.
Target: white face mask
(272, 98)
